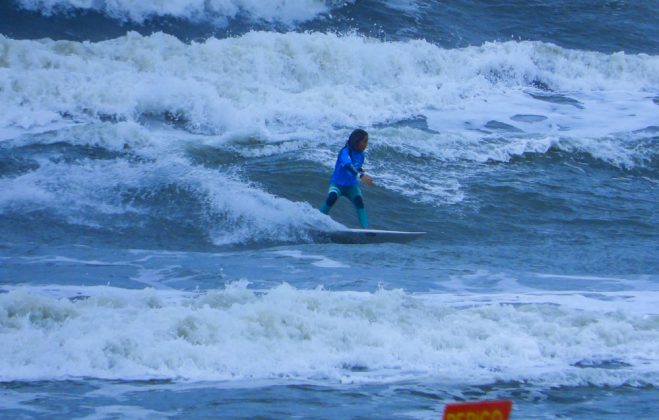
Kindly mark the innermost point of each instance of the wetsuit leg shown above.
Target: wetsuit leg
(355, 196)
(333, 195)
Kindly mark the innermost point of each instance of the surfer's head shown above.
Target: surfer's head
(358, 140)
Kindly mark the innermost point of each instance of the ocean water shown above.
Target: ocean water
(161, 167)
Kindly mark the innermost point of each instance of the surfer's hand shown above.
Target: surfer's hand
(368, 180)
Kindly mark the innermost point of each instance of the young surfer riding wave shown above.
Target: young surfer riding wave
(348, 170)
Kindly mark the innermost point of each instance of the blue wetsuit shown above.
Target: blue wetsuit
(345, 182)
(348, 166)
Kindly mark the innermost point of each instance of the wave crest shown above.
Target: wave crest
(284, 11)
(352, 337)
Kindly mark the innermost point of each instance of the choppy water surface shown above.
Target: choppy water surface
(161, 169)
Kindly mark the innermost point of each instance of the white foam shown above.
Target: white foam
(602, 113)
(270, 81)
(286, 11)
(236, 334)
(235, 210)
(297, 92)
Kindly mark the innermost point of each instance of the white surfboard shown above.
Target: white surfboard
(372, 236)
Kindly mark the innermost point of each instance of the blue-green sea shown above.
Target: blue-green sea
(161, 168)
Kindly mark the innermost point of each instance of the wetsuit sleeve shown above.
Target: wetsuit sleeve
(346, 162)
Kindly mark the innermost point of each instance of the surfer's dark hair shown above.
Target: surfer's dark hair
(355, 137)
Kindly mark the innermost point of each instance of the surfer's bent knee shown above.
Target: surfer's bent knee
(331, 198)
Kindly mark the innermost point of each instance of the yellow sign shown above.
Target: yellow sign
(483, 410)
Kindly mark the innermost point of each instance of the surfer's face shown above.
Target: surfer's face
(362, 144)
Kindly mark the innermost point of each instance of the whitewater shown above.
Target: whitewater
(162, 165)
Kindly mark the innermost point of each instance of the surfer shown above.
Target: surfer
(347, 172)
